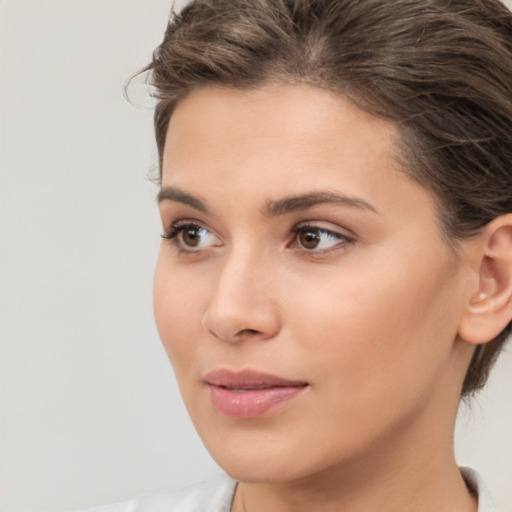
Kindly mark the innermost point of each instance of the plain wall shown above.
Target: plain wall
(89, 410)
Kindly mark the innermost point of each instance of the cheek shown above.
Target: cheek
(178, 311)
(377, 333)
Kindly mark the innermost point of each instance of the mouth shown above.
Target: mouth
(250, 394)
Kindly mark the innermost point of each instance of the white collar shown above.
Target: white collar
(477, 484)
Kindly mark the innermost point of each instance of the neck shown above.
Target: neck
(383, 486)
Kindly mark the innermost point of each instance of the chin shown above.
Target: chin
(260, 458)
(260, 471)
(256, 458)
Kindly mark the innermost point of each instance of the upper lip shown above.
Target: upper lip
(249, 379)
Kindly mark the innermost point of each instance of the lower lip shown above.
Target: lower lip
(251, 403)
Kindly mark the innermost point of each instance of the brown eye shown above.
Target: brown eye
(309, 238)
(318, 240)
(191, 236)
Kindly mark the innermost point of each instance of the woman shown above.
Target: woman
(336, 266)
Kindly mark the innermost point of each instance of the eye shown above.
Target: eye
(314, 238)
(191, 237)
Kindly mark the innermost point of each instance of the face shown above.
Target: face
(303, 291)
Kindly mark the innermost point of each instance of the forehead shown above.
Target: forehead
(283, 140)
(284, 121)
(297, 114)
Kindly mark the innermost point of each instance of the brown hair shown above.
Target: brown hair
(440, 69)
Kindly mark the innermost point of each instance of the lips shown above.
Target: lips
(249, 394)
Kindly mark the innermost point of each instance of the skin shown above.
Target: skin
(369, 318)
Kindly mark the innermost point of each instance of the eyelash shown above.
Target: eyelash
(344, 241)
(177, 229)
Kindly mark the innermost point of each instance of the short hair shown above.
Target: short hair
(441, 70)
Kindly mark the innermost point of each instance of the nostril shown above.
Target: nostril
(236, 323)
(239, 336)
(248, 331)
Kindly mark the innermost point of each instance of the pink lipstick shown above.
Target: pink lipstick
(249, 394)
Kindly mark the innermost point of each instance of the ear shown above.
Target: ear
(489, 306)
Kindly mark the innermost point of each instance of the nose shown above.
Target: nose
(243, 304)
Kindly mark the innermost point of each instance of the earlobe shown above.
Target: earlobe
(489, 308)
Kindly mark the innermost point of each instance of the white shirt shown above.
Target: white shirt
(216, 495)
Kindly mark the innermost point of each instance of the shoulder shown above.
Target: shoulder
(212, 495)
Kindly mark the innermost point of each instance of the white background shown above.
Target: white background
(90, 412)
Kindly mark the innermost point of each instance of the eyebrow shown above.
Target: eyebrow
(274, 208)
(179, 196)
(306, 201)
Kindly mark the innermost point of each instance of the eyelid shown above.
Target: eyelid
(344, 240)
(329, 227)
(183, 223)
(177, 227)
